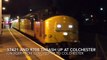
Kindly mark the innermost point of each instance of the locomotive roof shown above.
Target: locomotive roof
(44, 13)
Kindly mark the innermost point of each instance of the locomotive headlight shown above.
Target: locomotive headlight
(75, 41)
(65, 33)
(70, 26)
(59, 26)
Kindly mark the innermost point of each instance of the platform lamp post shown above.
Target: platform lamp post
(0, 15)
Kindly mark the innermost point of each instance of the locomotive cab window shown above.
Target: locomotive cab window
(58, 27)
(61, 27)
(70, 27)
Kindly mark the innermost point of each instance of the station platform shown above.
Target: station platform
(16, 46)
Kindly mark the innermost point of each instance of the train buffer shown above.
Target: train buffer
(16, 46)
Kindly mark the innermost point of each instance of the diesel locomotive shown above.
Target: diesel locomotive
(49, 27)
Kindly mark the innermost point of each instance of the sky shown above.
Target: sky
(72, 6)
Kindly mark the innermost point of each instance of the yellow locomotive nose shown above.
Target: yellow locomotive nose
(61, 28)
